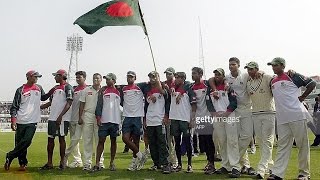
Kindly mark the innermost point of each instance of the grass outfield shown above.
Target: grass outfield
(37, 157)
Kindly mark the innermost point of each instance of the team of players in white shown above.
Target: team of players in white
(255, 93)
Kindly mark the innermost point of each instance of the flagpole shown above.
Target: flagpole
(146, 33)
(154, 63)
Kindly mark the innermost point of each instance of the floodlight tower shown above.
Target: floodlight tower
(201, 56)
(74, 45)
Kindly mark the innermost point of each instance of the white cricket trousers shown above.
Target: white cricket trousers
(75, 136)
(245, 133)
(216, 145)
(90, 135)
(264, 128)
(227, 136)
(286, 133)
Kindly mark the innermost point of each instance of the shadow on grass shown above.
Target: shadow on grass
(128, 156)
(77, 173)
(315, 149)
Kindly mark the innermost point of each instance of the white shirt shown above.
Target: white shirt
(288, 106)
(155, 111)
(182, 111)
(76, 103)
(133, 101)
(29, 109)
(90, 97)
(59, 99)
(111, 112)
(239, 85)
(200, 91)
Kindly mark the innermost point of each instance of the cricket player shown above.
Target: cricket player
(25, 114)
(108, 116)
(75, 128)
(291, 119)
(87, 118)
(200, 88)
(157, 113)
(168, 84)
(316, 122)
(225, 124)
(238, 82)
(58, 121)
(182, 116)
(263, 115)
(132, 99)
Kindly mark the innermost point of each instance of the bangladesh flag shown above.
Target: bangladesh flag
(112, 13)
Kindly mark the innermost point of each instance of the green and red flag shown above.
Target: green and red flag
(112, 13)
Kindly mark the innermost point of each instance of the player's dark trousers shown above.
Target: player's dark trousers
(316, 140)
(209, 148)
(158, 145)
(194, 144)
(23, 139)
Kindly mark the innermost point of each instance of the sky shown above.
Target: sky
(33, 35)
